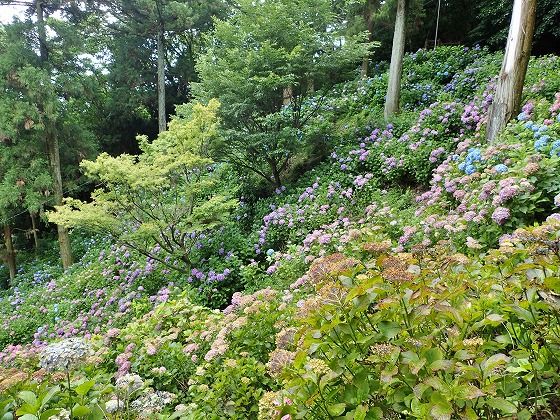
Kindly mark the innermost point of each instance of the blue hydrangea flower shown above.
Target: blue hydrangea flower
(474, 155)
(470, 169)
(540, 144)
(501, 168)
(555, 149)
(522, 117)
(529, 124)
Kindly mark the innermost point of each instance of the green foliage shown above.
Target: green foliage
(420, 337)
(263, 64)
(166, 196)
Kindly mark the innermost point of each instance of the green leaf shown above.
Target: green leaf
(81, 411)
(494, 361)
(441, 408)
(361, 382)
(523, 313)
(503, 405)
(29, 397)
(336, 409)
(84, 388)
(46, 415)
(360, 412)
(433, 355)
(389, 329)
(553, 283)
(28, 417)
(51, 392)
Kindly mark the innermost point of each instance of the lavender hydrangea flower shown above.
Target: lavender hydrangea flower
(501, 215)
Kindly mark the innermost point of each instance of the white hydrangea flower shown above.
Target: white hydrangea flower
(114, 405)
(64, 354)
(129, 383)
(152, 402)
(62, 415)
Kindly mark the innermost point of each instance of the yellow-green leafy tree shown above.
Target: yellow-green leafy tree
(164, 199)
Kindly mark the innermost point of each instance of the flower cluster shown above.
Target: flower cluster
(152, 402)
(64, 355)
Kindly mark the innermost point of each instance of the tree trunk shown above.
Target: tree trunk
(63, 237)
(44, 52)
(162, 123)
(287, 96)
(509, 89)
(53, 148)
(35, 230)
(276, 178)
(10, 253)
(369, 12)
(397, 54)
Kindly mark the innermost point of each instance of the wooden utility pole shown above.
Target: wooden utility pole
(397, 55)
(509, 89)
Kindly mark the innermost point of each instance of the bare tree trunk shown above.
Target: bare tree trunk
(509, 89)
(162, 123)
(35, 230)
(53, 148)
(277, 180)
(397, 55)
(10, 252)
(63, 236)
(287, 96)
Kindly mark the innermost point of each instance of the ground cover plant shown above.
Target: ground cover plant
(413, 273)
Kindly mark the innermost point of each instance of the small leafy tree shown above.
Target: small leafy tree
(165, 198)
(264, 64)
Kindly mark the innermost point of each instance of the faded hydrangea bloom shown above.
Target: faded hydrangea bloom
(114, 405)
(383, 351)
(152, 402)
(473, 342)
(129, 383)
(473, 243)
(279, 360)
(319, 367)
(64, 354)
(285, 338)
(62, 415)
(268, 405)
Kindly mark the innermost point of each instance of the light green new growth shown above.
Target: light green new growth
(162, 197)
